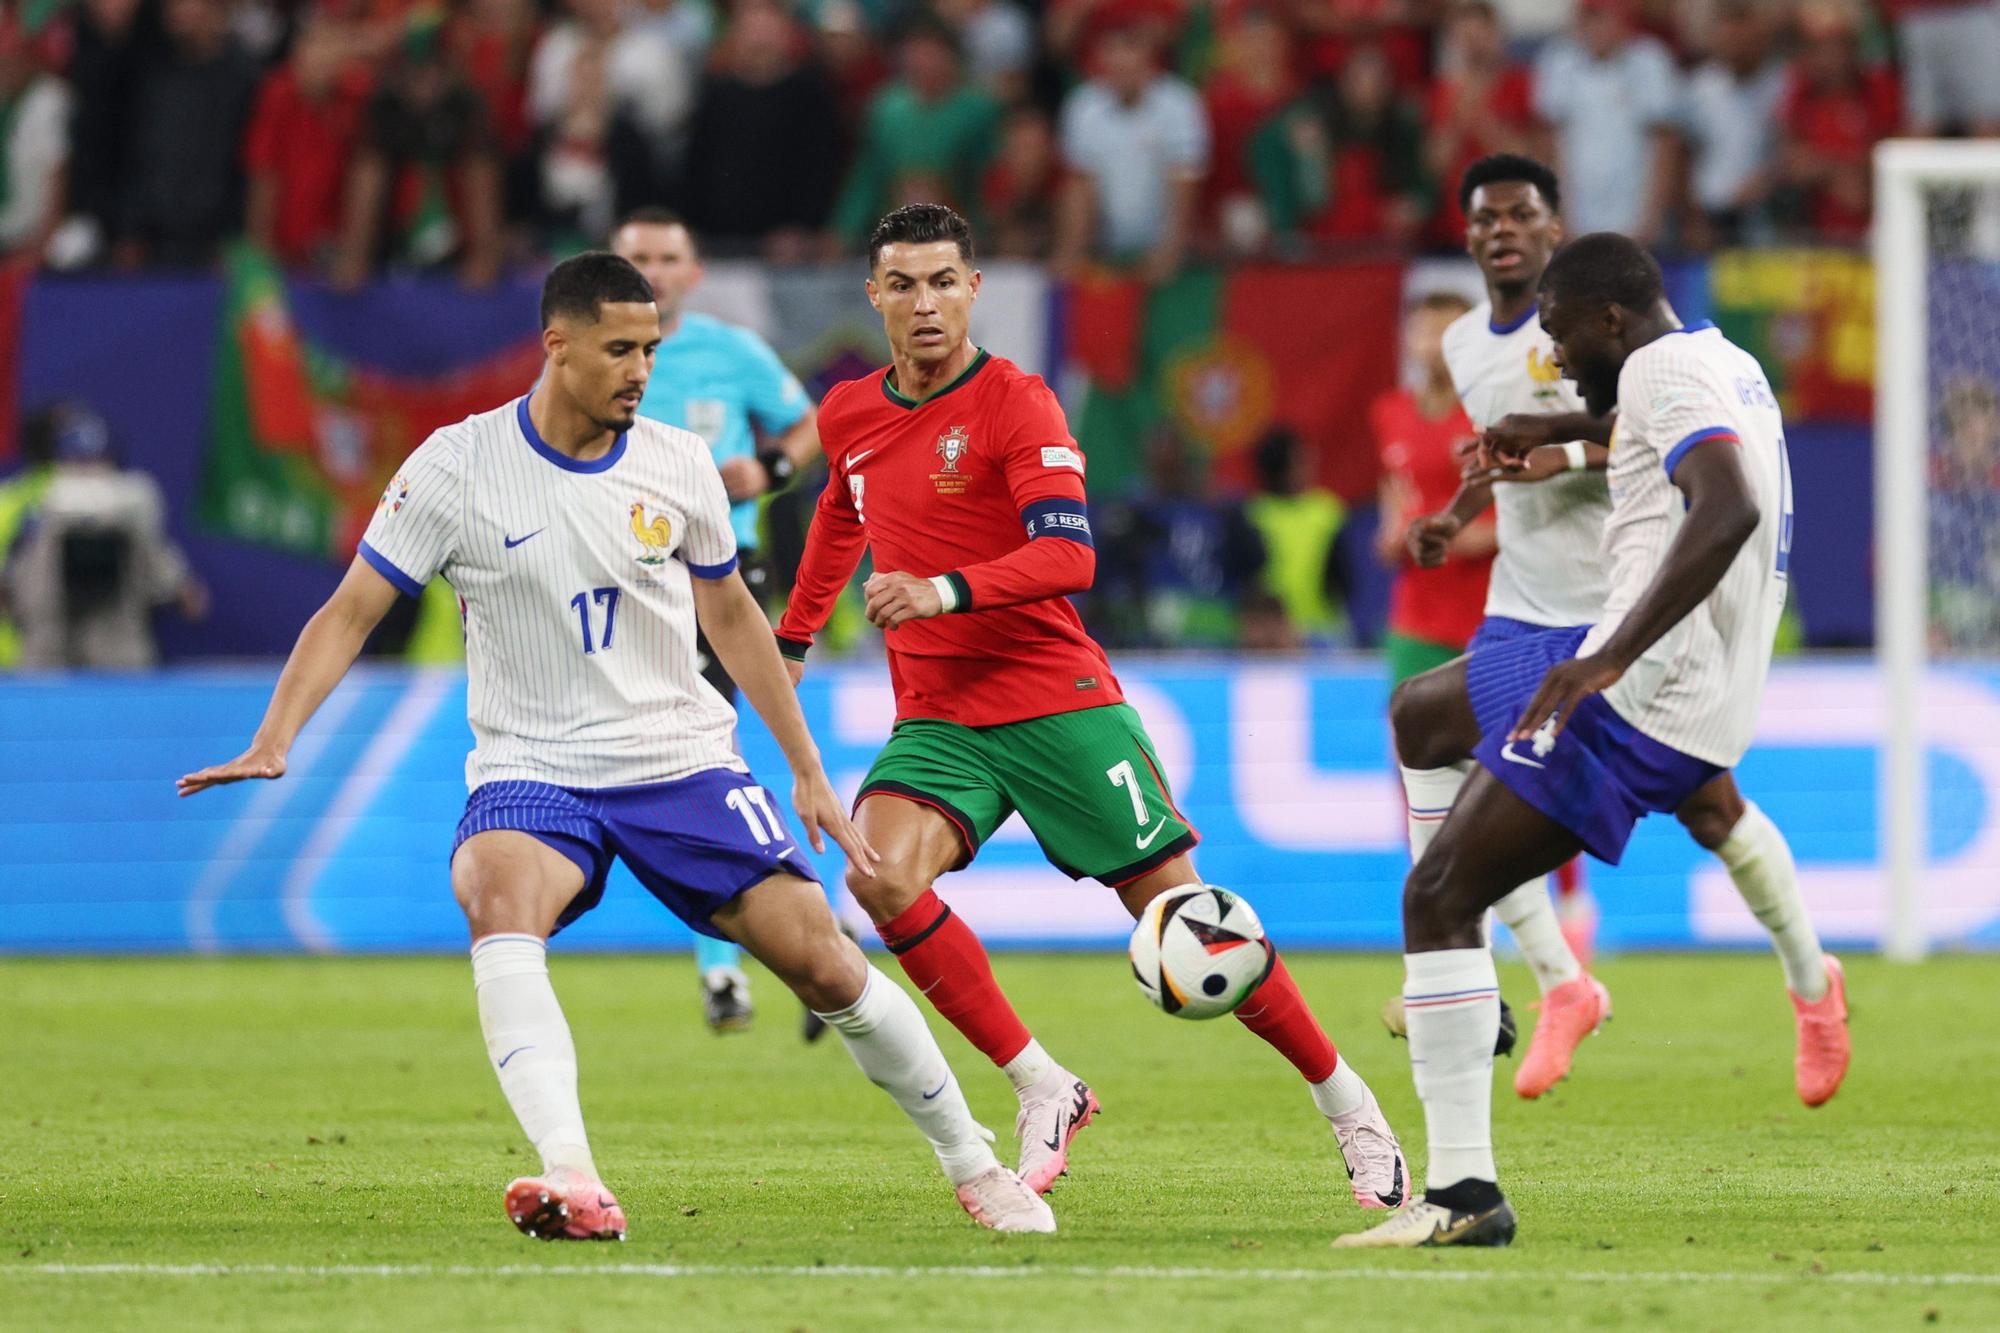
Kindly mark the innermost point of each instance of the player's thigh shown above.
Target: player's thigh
(1432, 717)
(1089, 786)
(929, 801)
(1712, 813)
(1492, 842)
(785, 924)
(1175, 874)
(917, 843)
(509, 882)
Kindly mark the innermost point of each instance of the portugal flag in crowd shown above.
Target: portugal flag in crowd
(302, 438)
(1225, 357)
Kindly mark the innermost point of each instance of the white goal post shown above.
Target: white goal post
(1907, 174)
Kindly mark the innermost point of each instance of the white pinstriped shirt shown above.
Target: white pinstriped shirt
(573, 579)
(1548, 571)
(1699, 688)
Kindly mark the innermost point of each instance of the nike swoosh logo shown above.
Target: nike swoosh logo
(935, 1091)
(1147, 841)
(1394, 1198)
(926, 990)
(1507, 753)
(511, 1054)
(852, 459)
(512, 542)
(786, 850)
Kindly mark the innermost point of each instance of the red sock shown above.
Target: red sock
(1277, 1012)
(940, 953)
(1569, 877)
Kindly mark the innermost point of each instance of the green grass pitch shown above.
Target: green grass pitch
(273, 1144)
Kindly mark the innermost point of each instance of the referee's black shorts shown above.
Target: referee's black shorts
(757, 574)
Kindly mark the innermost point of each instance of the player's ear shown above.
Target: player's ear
(874, 296)
(975, 284)
(1555, 231)
(554, 344)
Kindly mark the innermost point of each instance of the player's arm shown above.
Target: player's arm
(1045, 479)
(834, 542)
(1454, 531)
(1722, 514)
(327, 647)
(741, 639)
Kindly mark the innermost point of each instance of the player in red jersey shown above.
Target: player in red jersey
(957, 470)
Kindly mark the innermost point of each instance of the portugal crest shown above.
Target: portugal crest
(953, 445)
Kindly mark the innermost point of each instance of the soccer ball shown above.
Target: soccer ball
(1198, 951)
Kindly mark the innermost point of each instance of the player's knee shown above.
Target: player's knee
(1709, 822)
(888, 893)
(833, 976)
(1418, 738)
(494, 893)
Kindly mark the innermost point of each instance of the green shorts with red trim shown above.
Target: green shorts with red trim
(1087, 784)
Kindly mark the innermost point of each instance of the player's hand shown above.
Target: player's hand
(1566, 686)
(1429, 539)
(895, 598)
(819, 809)
(1512, 438)
(256, 762)
(1539, 464)
(796, 670)
(744, 479)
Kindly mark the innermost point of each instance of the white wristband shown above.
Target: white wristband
(1575, 453)
(947, 593)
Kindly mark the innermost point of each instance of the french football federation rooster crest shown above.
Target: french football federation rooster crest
(1199, 951)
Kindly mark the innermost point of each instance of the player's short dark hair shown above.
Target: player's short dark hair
(1605, 266)
(654, 216)
(1499, 167)
(920, 224)
(580, 284)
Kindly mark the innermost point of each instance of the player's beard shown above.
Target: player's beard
(1600, 392)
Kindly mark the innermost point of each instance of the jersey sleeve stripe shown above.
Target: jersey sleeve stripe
(386, 567)
(723, 570)
(1679, 451)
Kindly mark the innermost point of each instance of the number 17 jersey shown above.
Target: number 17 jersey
(574, 582)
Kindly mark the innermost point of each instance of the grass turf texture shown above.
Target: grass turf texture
(319, 1113)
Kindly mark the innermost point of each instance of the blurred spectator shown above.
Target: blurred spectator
(1345, 162)
(763, 154)
(34, 144)
(1732, 109)
(425, 186)
(493, 42)
(852, 62)
(687, 25)
(1175, 560)
(302, 139)
(1018, 192)
(1951, 65)
(109, 41)
(95, 560)
(927, 136)
(1611, 95)
(20, 496)
(1481, 103)
(1253, 77)
(1135, 140)
(1298, 522)
(1433, 613)
(998, 39)
(1833, 113)
(594, 64)
(183, 187)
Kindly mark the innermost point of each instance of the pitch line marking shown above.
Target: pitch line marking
(985, 1272)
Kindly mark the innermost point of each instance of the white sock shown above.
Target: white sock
(1340, 1092)
(1451, 1000)
(1760, 861)
(1429, 793)
(528, 1041)
(888, 1038)
(1531, 918)
(1028, 1068)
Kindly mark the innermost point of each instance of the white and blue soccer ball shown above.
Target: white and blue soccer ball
(1198, 951)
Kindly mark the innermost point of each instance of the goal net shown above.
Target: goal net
(1937, 499)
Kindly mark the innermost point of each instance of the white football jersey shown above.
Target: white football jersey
(1698, 689)
(573, 578)
(1548, 571)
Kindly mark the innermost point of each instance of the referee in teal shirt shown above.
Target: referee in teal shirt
(726, 385)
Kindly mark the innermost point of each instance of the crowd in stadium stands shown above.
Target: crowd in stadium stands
(347, 135)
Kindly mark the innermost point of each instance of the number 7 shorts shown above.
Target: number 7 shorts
(1087, 784)
(695, 843)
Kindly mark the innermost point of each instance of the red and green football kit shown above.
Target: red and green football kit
(1003, 703)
